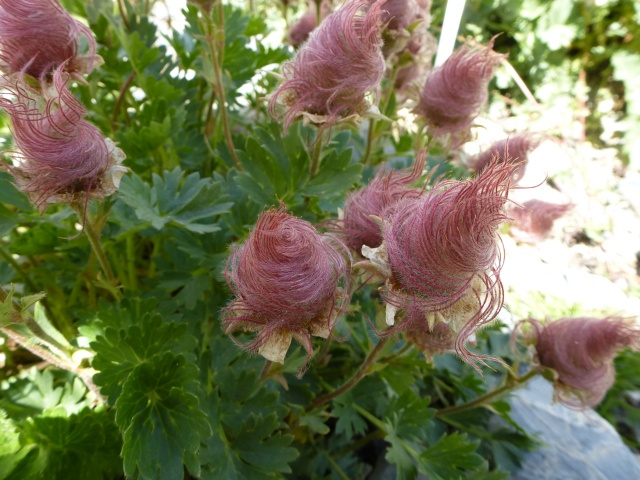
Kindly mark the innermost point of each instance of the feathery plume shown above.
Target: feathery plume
(444, 256)
(289, 281)
(60, 157)
(358, 227)
(399, 14)
(533, 221)
(300, 31)
(454, 92)
(39, 36)
(514, 149)
(581, 351)
(334, 70)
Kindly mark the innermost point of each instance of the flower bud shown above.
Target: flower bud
(289, 281)
(445, 255)
(363, 209)
(581, 351)
(60, 157)
(454, 92)
(514, 149)
(532, 222)
(39, 36)
(331, 74)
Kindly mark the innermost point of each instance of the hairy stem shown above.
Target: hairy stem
(370, 136)
(120, 99)
(51, 351)
(216, 49)
(355, 379)
(511, 384)
(94, 239)
(265, 370)
(314, 167)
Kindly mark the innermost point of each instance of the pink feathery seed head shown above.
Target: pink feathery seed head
(516, 148)
(454, 92)
(399, 14)
(60, 157)
(288, 280)
(38, 36)
(333, 71)
(300, 31)
(445, 255)
(533, 220)
(358, 227)
(581, 351)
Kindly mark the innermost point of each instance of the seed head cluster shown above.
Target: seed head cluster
(39, 36)
(334, 70)
(59, 157)
(455, 92)
(288, 280)
(581, 351)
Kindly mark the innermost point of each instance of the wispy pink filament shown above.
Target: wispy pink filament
(358, 228)
(514, 149)
(455, 92)
(581, 351)
(58, 151)
(534, 220)
(335, 69)
(285, 277)
(38, 36)
(444, 246)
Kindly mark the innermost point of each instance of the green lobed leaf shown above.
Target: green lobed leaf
(161, 420)
(120, 351)
(450, 457)
(190, 202)
(87, 441)
(43, 392)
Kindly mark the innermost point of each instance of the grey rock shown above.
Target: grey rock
(578, 445)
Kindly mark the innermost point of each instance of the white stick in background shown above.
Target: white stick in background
(450, 27)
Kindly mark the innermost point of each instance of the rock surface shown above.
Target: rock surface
(578, 445)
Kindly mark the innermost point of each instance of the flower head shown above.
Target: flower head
(444, 256)
(334, 70)
(533, 221)
(581, 351)
(454, 92)
(60, 157)
(289, 281)
(514, 149)
(300, 31)
(359, 227)
(39, 36)
(399, 14)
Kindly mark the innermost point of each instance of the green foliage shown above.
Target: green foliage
(189, 202)
(161, 421)
(449, 457)
(619, 407)
(148, 386)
